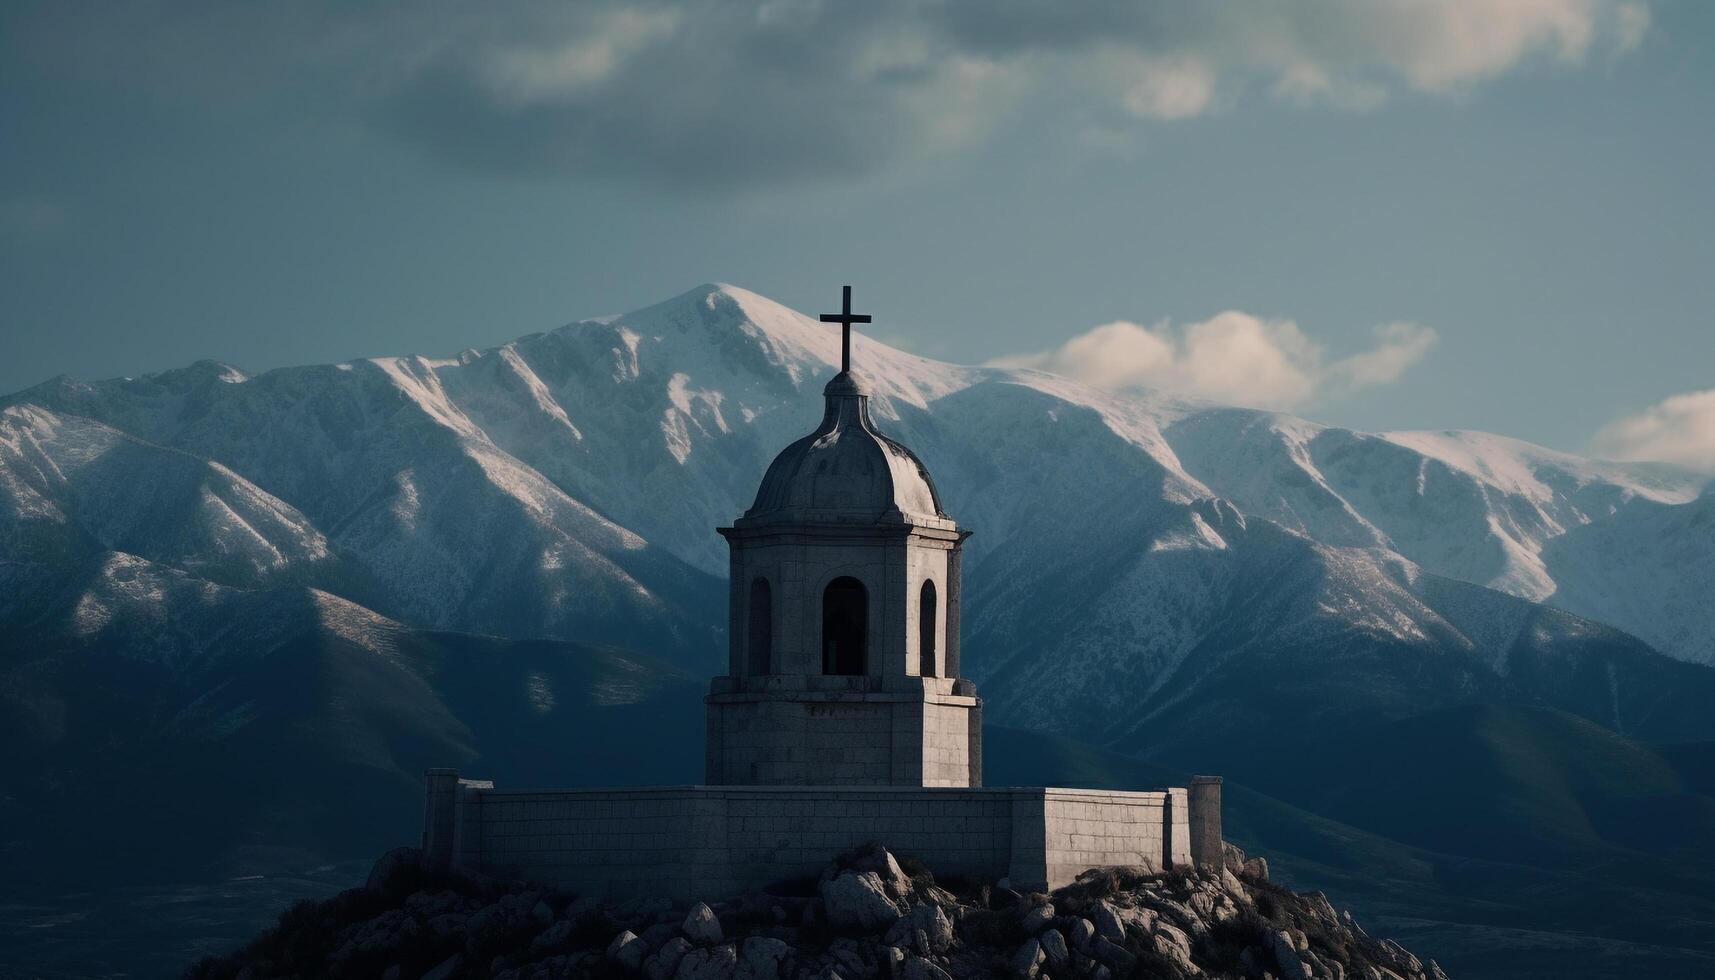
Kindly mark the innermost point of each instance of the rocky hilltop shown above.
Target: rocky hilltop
(869, 917)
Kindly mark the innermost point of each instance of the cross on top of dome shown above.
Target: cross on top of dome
(845, 318)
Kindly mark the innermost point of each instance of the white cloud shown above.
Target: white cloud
(1680, 429)
(564, 67)
(748, 94)
(1233, 357)
(1169, 88)
(1399, 346)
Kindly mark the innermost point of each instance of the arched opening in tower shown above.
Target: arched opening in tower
(760, 630)
(926, 612)
(845, 626)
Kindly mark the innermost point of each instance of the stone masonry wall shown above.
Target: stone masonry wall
(797, 738)
(1088, 828)
(704, 841)
(805, 743)
(946, 745)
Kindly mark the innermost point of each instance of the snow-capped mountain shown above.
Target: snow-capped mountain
(567, 484)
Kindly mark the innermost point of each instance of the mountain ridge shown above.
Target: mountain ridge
(505, 560)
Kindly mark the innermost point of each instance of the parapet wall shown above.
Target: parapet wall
(689, 842)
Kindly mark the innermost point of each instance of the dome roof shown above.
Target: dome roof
(846, 472)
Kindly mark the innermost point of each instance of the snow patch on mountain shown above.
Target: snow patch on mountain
(107, 489)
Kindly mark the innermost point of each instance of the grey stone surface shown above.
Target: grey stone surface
(1112, 955)
(701, 926)
(930, 921)
(1081, 933)
(1172, 942)
(762, 958)
(918, 968)
(691, 842)
(1054, 947)
(663, 964)
(1105, 917)
(715, 963)
(1027, 962)
(858, 900)
(1285, 954)
(1206, 843)
(627, 949)
(1036, 919)
(553, 937)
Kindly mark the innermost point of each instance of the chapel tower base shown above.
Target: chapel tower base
(836, 731)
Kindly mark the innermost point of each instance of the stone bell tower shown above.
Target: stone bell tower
(844, 617)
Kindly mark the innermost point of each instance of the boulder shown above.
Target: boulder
(1112, 955)
(1286, 955)
(1054, 947)
(850, 957)
(918, 968)
(1182, 916)
(372, 943)
(1330, 967)
(1036, 919)
(1232, 856)
(663, 964)
(1256, 868)
(445, 926)
(627, 950)
(1172, 943)
(858, 900)
(701, 926)
(397, 873)
(893, 961)
(1080, 933)
(1203, 905)
(490, 929)
(1401, 958)
(427, 905)
(1027, 961)
(763, 958)
(875, 858)
(1319, 904)
(937, 930)
(449, 968)
(1114, 921)
(714, 963)
(1105, 917)
(657, 934)
(553, 938)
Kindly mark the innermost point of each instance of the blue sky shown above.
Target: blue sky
(1489, 214)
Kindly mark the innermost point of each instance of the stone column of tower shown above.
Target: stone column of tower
(844, 620)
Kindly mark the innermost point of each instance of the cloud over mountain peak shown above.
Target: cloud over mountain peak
(1233, 357)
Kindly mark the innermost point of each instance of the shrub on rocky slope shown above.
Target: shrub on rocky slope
(867, 918)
